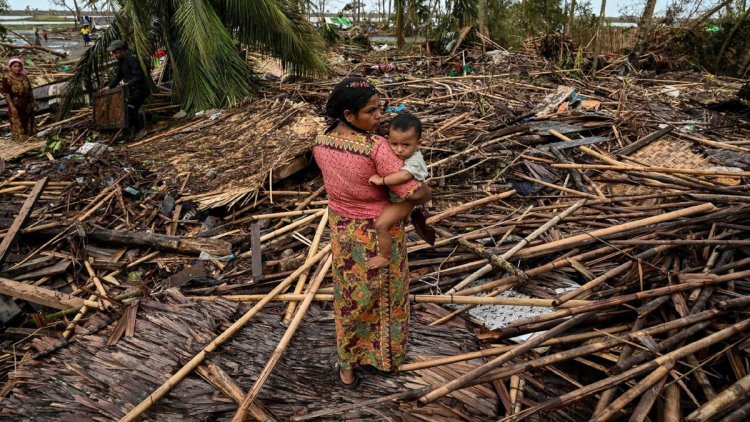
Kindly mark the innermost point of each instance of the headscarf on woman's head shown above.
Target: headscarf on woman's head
(17, 60)
(351, 94)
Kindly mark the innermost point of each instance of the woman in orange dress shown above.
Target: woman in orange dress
(18, 93)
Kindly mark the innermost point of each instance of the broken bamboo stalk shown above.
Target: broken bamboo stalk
(509, 282)
(469, 205)
(303, 278)
(589, 237)
(556, 187)
(221, 380)
(651, 169)
(239, 416)
(609, 274)
(438, 299)
(606, 383)
(494, 351)
(737, 392)
(500, 360)
(640, 388)
(519, 246)
(175, 379)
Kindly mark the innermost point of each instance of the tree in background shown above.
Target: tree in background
(4, 8)
(72, 6)
(202, 39)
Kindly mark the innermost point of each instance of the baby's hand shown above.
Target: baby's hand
(376, 180)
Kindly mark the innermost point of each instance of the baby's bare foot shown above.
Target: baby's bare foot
(377, 262)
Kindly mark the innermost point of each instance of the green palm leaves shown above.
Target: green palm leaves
(202, 39)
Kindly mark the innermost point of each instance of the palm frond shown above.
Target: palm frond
(206, 62)
(277, 28)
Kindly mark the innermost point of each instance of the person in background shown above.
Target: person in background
(37, 39)
(130, 72)
(18, 93)
(45, 35)
(86, 34)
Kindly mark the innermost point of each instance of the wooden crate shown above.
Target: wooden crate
(110, 111)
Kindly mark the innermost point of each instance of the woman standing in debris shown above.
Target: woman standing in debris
(16, 88)
(371, 306)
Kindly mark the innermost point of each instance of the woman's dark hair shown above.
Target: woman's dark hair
(350, 94)
(406, 121)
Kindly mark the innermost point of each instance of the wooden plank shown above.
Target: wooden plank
(21, 218)
(635, 146)
(187, 274)
(255, 245)
(56, 269)
(39, 295)
(282, 172)
(571, 144)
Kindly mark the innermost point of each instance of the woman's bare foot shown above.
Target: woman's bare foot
(346, 375)
(377, 262)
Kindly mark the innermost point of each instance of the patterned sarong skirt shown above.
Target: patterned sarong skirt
(371, 306)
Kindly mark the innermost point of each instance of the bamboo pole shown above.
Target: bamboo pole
(609, 274)
(606, 383)
(494, 351)
(509, 282)
(439, 299)
(286, 229)
(258, 217)
(518, 246)
(651, 169)
(469, 205)
(619, 300)
(175, 379)
(239, 416)
(303, 278)
(585, 238)
(556, 187)
(221, 380)
(737, 392)
(672, 411)
(662, 346)
(640, 388)
(500, 360)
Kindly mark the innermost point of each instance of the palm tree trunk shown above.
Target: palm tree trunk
(571, 15)
(481, 17)
(644, 30)
(597, 41)
(400, 41)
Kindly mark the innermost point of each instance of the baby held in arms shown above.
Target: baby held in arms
(404, 137)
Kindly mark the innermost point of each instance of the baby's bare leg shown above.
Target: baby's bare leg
(392, 214)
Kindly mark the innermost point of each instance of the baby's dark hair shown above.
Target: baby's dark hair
(405, 121)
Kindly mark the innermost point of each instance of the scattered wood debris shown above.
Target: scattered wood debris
(592, 259)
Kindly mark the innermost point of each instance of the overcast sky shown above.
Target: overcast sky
(613, 6)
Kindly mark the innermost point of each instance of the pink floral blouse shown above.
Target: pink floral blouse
(347, 165)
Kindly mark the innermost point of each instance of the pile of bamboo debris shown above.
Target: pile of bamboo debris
(609, 216)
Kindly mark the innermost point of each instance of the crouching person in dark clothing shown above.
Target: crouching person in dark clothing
(130, 72)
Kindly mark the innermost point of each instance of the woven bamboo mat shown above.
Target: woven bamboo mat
(10, 150)
(665, 152)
